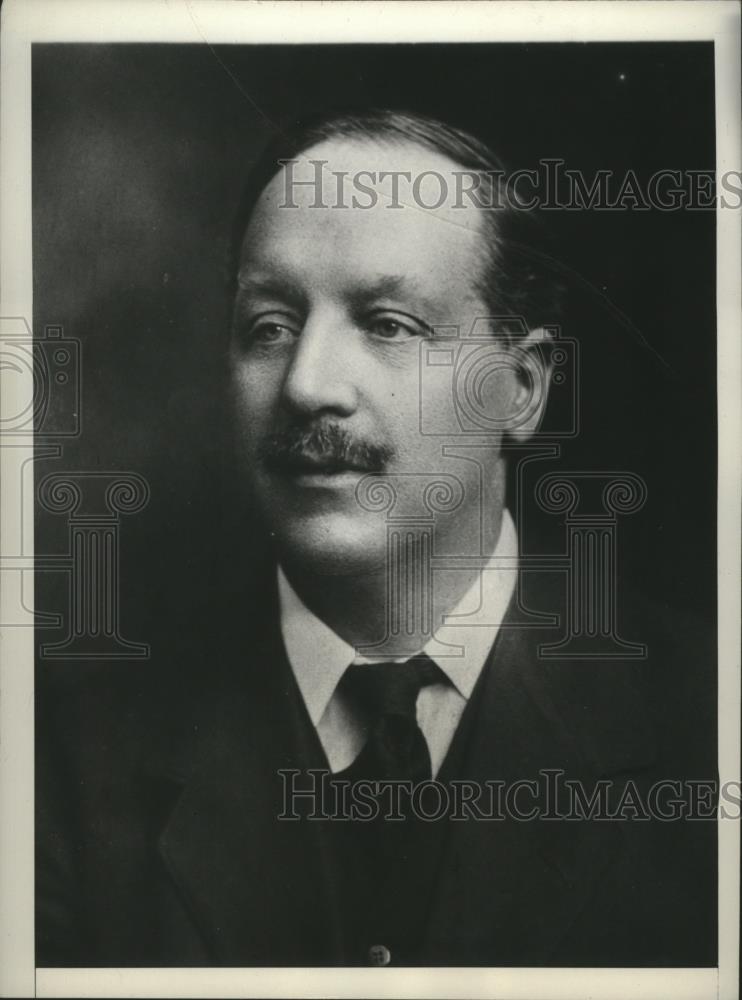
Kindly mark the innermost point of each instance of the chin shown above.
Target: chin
(331, 546)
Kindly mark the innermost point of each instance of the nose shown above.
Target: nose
(320, 377)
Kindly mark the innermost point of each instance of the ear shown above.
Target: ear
(530, 356)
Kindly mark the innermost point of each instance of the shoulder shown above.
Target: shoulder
(110, 716)
(659, 694)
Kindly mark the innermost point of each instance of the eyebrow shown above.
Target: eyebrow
(270, 287)
(360, 297)
(388, 286)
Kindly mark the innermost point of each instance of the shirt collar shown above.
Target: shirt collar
(319, 657)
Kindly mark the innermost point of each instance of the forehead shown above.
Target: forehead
(334, 213)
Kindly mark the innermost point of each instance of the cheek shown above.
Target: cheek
(498, 393)
(252, 404)
(255, 389)
(400, 419)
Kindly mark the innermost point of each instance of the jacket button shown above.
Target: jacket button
(379, 954)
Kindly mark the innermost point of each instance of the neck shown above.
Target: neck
(360, 608)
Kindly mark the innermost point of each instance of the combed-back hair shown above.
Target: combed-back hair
(518, 277)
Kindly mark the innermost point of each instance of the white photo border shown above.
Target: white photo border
(231, 22)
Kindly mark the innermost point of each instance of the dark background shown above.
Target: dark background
(139, 156)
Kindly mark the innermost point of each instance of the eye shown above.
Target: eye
(268, 329)
(395, 327)
(270, 333)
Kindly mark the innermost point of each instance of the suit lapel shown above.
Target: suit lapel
(253, 884)
(509, 890)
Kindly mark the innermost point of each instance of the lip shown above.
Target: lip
(325, 480)
(312, 469)
(313, 475)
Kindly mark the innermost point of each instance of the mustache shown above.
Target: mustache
(328, 447)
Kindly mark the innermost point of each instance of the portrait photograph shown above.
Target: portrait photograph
(371, 461)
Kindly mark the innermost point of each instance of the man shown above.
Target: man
(257, 800)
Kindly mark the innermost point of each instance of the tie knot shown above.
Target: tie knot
(389, 688)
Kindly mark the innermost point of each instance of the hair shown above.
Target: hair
(518, 278)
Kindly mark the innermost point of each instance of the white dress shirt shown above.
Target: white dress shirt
(460, 645)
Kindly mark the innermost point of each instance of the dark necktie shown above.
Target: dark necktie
(385, 876)
(384, 696)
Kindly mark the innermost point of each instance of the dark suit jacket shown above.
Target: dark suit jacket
(158, 794)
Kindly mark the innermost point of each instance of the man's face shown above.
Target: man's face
(334, 307)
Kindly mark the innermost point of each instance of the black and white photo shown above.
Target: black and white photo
(378, 466)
